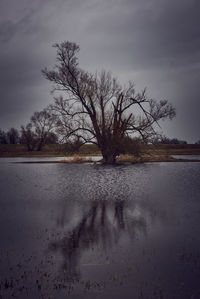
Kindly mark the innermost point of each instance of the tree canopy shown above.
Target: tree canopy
(39, 130)
(97, 108)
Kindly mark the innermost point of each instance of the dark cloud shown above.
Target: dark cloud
(154, 42)
(149, 33)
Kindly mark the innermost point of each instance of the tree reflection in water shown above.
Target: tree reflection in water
(102, 225)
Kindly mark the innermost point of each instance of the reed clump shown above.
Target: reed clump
(77, 159)
(146, 158)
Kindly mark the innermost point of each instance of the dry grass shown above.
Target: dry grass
(56, 150)
(77, 159)
(129, 159)
(150, 158)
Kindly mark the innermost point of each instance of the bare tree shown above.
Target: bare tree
(39, 130)
(3, 137)
(97, 108)
(9, 137)
(43, 123)
(162, 139)
(28, 137)
(13, 136)
(73, 145)
(52, 138)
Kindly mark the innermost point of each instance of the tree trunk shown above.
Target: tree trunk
(40, 146)
(28, 147)
(108, 157)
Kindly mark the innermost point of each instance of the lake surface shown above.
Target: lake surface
(93, 231)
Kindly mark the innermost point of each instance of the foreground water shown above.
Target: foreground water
(90, 231)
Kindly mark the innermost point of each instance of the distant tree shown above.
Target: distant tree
(198, 142)
(10, 137)
(178, 141)
(161, 139)
(73, 146)
(43, 123)
(28, 137)
(13, 136)
(97, 108)
(3, 137)
(38, 131)
(51, 138)
(156, 139)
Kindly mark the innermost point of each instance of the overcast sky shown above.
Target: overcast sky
(155, 43)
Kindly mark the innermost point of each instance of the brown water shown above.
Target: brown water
(90, 231)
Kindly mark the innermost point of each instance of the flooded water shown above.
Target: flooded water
(93, 231)
(46, 159)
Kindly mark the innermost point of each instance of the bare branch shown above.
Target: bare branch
(97, 108)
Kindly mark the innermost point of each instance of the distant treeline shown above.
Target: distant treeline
(55, 150)
(37, 139)
(14, 136)
(38, 132)
(161, 139)
(43, 129)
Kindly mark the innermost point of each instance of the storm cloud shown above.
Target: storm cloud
(152, 42)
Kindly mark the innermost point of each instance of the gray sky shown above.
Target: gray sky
(155, 43)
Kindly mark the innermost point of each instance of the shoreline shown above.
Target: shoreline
(119, 162)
